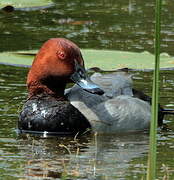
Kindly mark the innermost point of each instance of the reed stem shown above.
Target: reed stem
(151, 173)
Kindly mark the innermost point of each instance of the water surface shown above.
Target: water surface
(100, 24)
(116, 156)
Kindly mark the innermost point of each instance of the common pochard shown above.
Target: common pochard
(47, 110)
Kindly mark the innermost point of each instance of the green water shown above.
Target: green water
(107, 24)
(89, 157)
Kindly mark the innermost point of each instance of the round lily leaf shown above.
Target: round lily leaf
(104, 59)
(24, 3)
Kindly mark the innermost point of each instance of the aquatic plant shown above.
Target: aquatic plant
(151, 174)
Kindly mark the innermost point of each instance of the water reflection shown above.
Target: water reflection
(95, 156)
(113, 154)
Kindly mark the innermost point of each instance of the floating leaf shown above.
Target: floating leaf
(13, 58)
(104, 59)
(24, 3)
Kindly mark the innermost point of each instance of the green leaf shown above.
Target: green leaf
(109, 60)
(24, 3)
(104, 59)
(13, 58)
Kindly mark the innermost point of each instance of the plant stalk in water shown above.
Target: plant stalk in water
(151, 174)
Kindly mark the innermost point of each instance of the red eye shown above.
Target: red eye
(61, 54)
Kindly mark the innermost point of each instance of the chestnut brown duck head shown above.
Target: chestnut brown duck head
(58, 62)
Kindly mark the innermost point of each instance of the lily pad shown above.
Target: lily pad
(13, 58)
(110, 60)
(24, 3)
(104, 59)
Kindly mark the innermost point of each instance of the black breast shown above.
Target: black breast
(45, 113)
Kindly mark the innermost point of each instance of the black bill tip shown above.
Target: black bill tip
(95, 91)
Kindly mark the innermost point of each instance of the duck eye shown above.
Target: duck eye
(61, 55)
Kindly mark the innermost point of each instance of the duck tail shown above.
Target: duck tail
(168, 111)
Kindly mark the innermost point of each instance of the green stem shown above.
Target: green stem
(151, 175)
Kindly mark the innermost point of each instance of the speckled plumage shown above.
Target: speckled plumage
(45, 113)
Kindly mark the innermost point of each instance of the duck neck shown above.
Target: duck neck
(55, 89)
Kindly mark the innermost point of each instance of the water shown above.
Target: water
(108, 24)
(121, 156)
(120, 25)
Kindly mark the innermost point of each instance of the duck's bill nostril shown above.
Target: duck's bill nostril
(80, 78)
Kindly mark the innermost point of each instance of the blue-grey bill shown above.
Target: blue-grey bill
(89, 86)
(80, 78)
